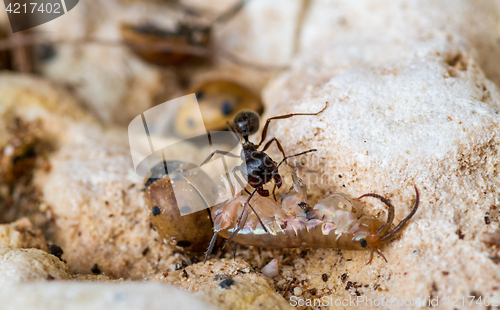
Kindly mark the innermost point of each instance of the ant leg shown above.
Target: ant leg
(274, 194)
(264, 131)
(211, 246)
(238, 226)
(241, 223)
(239, 180)
(268, 144)
(248, 203)
(218, 152)
(243, 218)
(263, 192)
(294, 155)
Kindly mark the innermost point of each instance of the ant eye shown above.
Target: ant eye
(363, 243)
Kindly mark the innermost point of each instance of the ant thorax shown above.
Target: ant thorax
(259, 167)
(247, 150)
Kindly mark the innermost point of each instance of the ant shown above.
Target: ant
(259, 168)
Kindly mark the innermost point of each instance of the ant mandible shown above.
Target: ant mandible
(259, 168)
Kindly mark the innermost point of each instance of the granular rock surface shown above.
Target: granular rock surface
(430, 119)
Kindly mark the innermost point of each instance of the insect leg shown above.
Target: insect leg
(380, 253)
(248, 201)
(236, 134)
(234, 251)
(238, 226)
(224, 17)
(404, 222)
(264, 131)
(268, 144)
(371, 257)
(390, 216)
(274, 192)
(211, 246)
(218, 152)
(239, 180)
(242, 223)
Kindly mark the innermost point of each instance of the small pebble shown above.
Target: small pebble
(271, 270)
(95, 269)
(226, 284)
(156, 211)
(56, 251)
(297, 291)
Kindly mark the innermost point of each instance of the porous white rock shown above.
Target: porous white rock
(22, 234)
(27, 265)
(100, 216)
(475, 20)
(423, 115)
(37, 100)
(263, 32)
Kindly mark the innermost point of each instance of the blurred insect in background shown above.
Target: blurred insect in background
(152, 43)
(219, 101)
(189, 40)
(162, 47)
(187, 233)
(332, 223)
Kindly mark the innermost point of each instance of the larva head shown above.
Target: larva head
(365, 235)
(374, 235)
(382, 233)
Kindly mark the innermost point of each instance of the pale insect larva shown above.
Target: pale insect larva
(331, 223)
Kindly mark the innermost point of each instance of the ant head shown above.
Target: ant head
(246, 123)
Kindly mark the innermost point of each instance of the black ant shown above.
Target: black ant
(259, 168)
